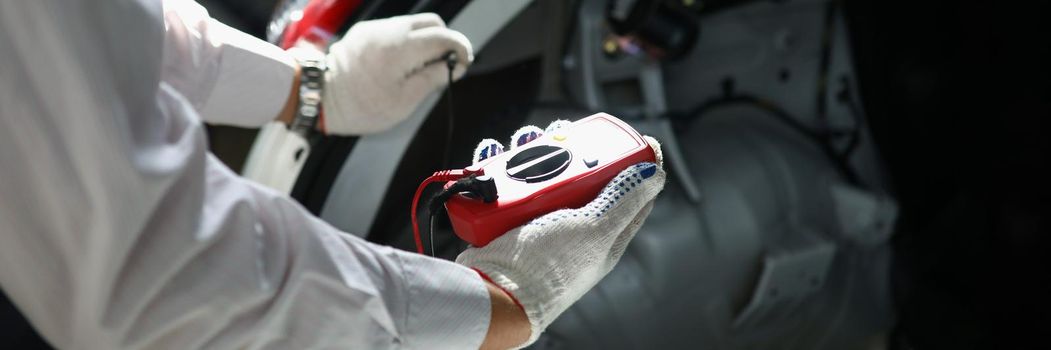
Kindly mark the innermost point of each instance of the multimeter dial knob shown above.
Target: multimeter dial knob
(538, 163)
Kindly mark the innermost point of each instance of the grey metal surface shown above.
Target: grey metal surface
(780, 252)
(752, 45)
(627, 86)
(358, 191)
(701, 276)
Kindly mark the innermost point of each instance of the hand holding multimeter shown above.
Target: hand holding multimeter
(567, 202)
(563, 168)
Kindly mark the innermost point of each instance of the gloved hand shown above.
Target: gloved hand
(382, 69)
(550, 262)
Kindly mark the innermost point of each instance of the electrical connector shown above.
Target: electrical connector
(467, 180)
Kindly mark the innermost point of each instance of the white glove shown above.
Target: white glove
(550, 262)
(381, 70)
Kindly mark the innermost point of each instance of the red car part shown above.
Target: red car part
(317, 22)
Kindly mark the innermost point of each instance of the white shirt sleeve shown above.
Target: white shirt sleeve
(119, 230)
(228, 76)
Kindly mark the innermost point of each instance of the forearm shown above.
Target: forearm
(508, 325)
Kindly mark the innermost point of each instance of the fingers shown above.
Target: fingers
(424, 20)
(523, 135)
(431, 44)
(656, 146)
(490, 147)
(486, 149)
(555, 125)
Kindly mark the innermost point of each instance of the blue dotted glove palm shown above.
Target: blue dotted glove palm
(550, 262)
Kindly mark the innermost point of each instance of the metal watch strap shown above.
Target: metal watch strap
(311, 83)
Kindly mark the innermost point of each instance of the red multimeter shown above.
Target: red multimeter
(564, 169)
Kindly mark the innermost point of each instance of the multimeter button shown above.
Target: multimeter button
(538, 163)
(591, 163)
(559, 137)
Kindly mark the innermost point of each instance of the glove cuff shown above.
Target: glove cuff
(521, 296)
(502, 289)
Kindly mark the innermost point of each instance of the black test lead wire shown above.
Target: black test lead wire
(450, 63)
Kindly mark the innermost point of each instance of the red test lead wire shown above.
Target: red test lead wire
(438, 176)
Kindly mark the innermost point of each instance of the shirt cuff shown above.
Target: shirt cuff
(253, 83)
(449, 306)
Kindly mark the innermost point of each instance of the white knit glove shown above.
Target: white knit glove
(550, 262)
(381, 70)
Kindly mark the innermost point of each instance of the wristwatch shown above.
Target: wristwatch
(311, 82)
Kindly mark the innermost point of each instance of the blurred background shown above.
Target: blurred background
(842, 174)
